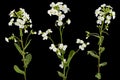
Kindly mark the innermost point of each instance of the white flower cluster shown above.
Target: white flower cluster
(23, 20)
(58, 50)
(45, 34)
(82, 45)
(59, 9)
(104, 14)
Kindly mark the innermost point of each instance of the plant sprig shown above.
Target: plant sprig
(59, 9)
(104, 14)
(22, 20)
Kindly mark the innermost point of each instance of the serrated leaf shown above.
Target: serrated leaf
(92, 53)
(18, 70)
(28, 59)
(61, 74)
(18, 48)
(98, 75)
(102, 64)
(102, 49)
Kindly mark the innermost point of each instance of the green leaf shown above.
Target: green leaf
(92, 53)
(18, 48)
(102, 49)
(98, 75)
(70, 56)
(18, 70)
(27, 44)
(28, 59)
(102, 64)
(61, 74)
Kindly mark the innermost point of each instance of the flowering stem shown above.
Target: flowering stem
(23, 55)
(100, 45)
(60, 30)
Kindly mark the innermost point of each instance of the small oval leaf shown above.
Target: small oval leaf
(28, 59)
(18, 70)
(98, 75)
(61, 74)
(92, 53)
(102, 64)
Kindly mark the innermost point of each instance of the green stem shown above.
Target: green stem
(24, 67)
(100, 44)
(23, 56)
(61, 32)
(64, 72)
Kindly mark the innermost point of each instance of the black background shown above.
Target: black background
(45, 63)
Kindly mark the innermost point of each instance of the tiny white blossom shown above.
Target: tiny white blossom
(6, 39)
(39, 32)
(20, 23)
(63, 47)
(79, 41)
(103, 5)
(68, 21)
(11, 22)
(113, 14)
(12, 13)
(59, 23)
(25, 31)
(49, 31)
(61, 17)
(52, 47)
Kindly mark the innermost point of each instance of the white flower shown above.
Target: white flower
(107, 21)
(64, 8)
(97, 11)
(20, 23)
(103, 5)
(68, 21)
(101, 18)
(49, 31)
(61, 17)
(99, 22)
(79, 41)
(52, 12)
(6, 39)
(82, 44)
(52, 47)
(11, 22)
(44, 35)
(59, 23)
(25, 31)
(52, 4)
(113, 14)
(39, 32)
(12, 13)
(63, 47)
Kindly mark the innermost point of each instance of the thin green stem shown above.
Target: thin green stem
(23, 56)
(24, 67)
(61, 33)
(99, 46)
